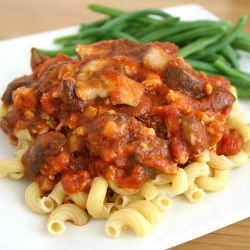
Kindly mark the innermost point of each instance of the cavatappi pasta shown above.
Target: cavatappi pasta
(118, 133)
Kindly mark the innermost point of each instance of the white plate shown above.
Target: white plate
(21, 229)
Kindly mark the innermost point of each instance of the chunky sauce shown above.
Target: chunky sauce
(122, 110)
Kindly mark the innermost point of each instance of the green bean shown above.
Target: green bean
(93, 24)
(86, 40)
(244, 36)
(197, 45)
(238, 82)
(166, 23)
(132, 30)
(243, 92)
(209, 58)
(227, 70)
(79, 35)
(112, 12)
(197, 33)
(227, 38)
(164, 33)
(130, 16)
(120, 34)
(202, 66)
(241, 44)
(230, 54)
(211, 69)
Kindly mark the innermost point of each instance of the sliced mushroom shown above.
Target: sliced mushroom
(177, 78)
(45, 145)
(36, 58)
(19, 82)
(194, 133)
(220, 99)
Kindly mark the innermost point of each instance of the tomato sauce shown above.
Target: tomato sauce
(122, 110)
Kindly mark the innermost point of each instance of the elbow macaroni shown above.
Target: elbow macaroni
(36, 202)
(213, 183)
(63, 213)
(11, 167)
(96, 205)
(138, 216)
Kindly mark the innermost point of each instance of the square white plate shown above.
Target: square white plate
(22, 229)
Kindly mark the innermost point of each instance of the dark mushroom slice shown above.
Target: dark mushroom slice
(17, 83)
(45, 145)
(177, 78)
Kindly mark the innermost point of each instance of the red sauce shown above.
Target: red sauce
(117, 114)
(230, 144)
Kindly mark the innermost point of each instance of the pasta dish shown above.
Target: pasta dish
(118, 132)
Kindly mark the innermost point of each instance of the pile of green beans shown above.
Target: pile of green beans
(207, 45)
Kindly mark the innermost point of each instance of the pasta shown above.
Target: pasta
(65, 212)
(213, 183)
(220, 162)
(122, 200)
(3, 111)
(239, 159)
(126, 217)
(80, 199)
(95, 204)
(195, 170)
(246, 147)
(122, 191)
(36, 202)
(11, 167)
(180, 182)
(137, 215)
(149, 191)
(58, 194)
(194, 194)
(115, 134)
(163, 202)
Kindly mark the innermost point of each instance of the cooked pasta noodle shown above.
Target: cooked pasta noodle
(126, 217)
(95, 204)
(63, 213)
(137, 215)
(196, 169)
(58, 194)
(122, 191)
(242, 128)
(79, 198)
(204, 156)
(162, 179)
(246, 147)
(166, 190)
(122, 200)
(24, 140)
(35, 200)
(220, 162)
(148, 209)
(194, 194)
(23, 135)
(3, 111)
(11, 167)
(163, 202)
(239, 159)
(149, 191)
(213, 183)
(180, 182)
